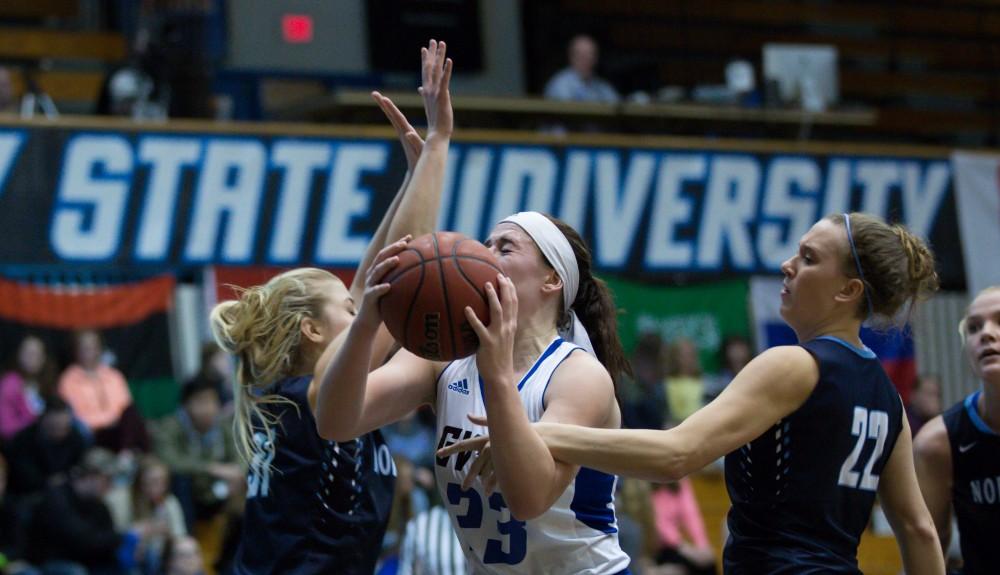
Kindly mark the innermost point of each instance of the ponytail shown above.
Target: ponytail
(262, 329)
(898, 266)
(595, 307)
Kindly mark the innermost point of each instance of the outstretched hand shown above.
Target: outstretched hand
(436, 79)
(412, 143)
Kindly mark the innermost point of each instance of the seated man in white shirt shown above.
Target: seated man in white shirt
(578, 82)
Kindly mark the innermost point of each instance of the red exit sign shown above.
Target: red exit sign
(297, 28)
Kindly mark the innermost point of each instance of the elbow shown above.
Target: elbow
(334, 430)
(920, 533)
(925, 532)
(525, 509)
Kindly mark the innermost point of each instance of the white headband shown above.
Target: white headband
(559, 253)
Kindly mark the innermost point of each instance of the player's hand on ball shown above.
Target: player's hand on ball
(436, 76)
(375, 288)
(495, 357)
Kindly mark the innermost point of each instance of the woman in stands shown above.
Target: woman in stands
(958, 453)
(810, 432)
(316, 506)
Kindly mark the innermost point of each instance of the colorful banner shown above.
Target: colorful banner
(182, 199)
(703, 313)
(130, 315)
(894, 348)
(977, 183)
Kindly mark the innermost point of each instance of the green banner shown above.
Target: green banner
(704, 313)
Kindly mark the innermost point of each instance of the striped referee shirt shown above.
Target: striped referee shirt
(430, 546)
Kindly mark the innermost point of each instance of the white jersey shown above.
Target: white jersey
(578, 534)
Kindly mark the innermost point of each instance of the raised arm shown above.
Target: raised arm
(412, 144)
(419, 207)
(415, 208)
(907, 514)
(932, 454)
(773, 385)
(350, 401)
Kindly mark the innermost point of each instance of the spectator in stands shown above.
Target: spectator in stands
(72, 525)
(24, 389)
(925, 401)
(636, 525)
(681, 530)
(148, 499)
(198, 446)
(685, 387)
(579, 82)
(734, 354)
(8, 99)
(182, 556)
(412, 438)
(100, 397)
(44, 452)
(217, 366)
(96, 391)
(644, 398)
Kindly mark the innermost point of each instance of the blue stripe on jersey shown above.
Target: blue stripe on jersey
(971, 406)
(546, 388)
(551, 349)
(861, 351)
(591, 499)
(545, 355)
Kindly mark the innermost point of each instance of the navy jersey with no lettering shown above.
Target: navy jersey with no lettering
(975, 486)
(314, 506)
(803, 491)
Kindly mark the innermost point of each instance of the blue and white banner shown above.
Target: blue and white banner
(977, 183)
(178, 199)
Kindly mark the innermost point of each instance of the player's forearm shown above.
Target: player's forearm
(920, 549)
(527, 489)
(341, 396)
(378, 240)
(418, 209)
(653, 455)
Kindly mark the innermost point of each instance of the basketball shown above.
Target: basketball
(438, 275)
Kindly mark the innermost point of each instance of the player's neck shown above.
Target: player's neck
(989, 406)
(847, 330)
(530, 342)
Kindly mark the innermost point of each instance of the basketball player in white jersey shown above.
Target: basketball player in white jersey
(535, 363)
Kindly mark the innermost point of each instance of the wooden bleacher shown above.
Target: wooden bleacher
(930, 68)
(70, 64)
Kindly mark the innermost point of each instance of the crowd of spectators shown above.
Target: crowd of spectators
(116, 493)
(88, 485)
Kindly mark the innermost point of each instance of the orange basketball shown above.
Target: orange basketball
(438, 275)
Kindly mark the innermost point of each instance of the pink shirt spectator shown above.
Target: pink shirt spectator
(98, 398)
(19, 407)
(678, 510)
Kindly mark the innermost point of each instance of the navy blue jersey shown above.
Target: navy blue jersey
(803, 491)
(975, 485)
(314, 506)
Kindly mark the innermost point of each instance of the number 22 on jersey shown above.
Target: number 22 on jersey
(867, 424)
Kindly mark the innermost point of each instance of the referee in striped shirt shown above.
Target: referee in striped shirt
(430, 546)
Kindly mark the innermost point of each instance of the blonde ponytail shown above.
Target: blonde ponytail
(262, 329)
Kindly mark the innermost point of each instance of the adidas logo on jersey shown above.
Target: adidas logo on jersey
(461, 386)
